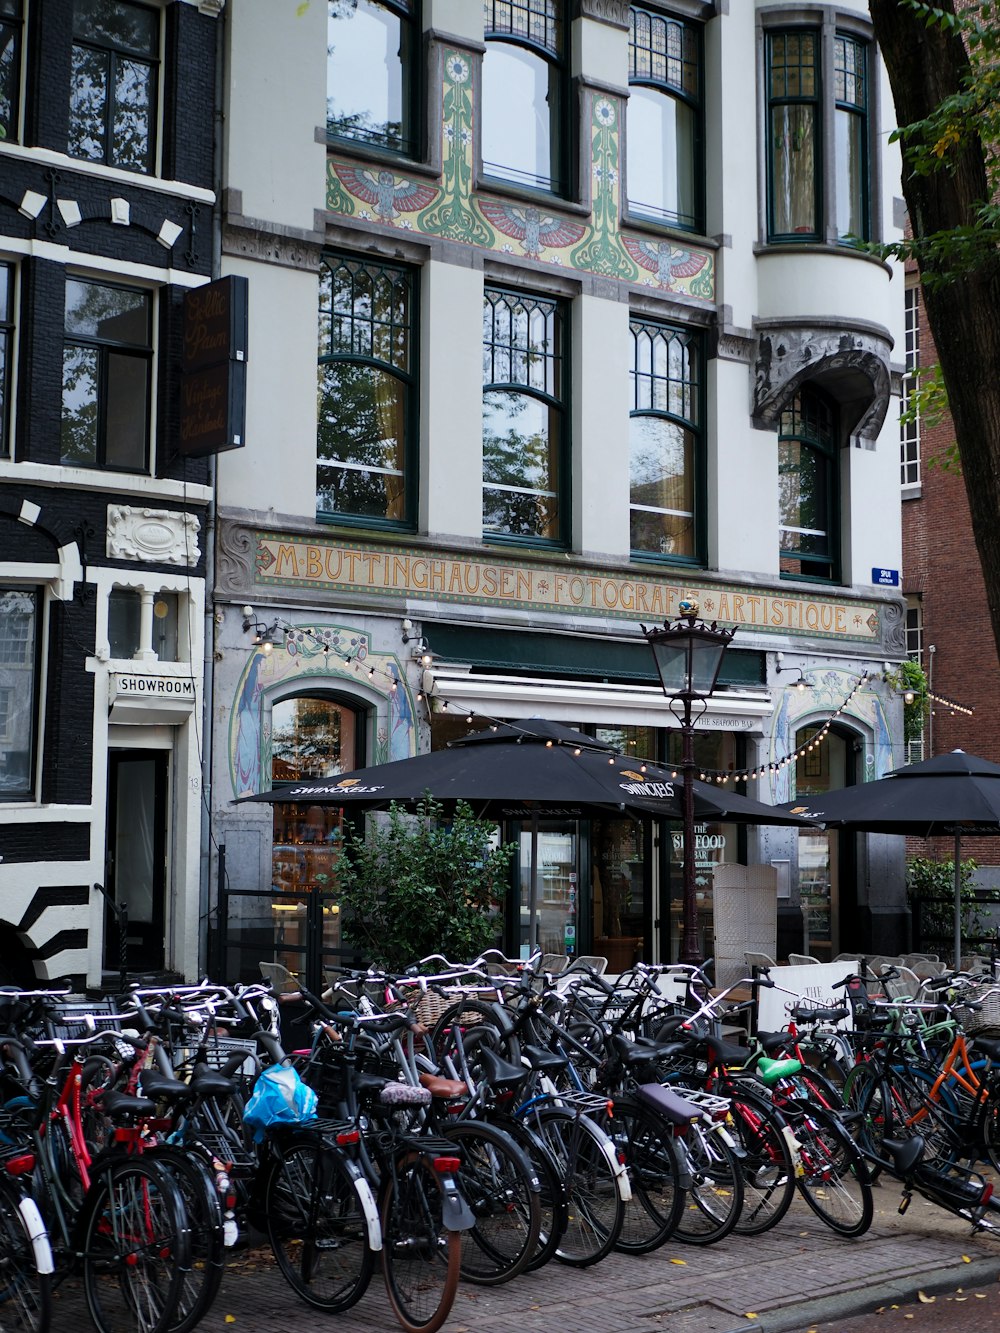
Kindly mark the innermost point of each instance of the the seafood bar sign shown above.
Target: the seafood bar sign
(213, 382)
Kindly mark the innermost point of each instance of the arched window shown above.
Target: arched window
(370, 72)
(524, 427)
(524, 93)
(664, 126)
(665, 448)
(367, 392)
(809, 488)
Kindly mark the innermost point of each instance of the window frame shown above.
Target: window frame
(410, 146)
(8, 333)
(15, 23)
(675, 93)
(557, 56)
(558, 401)
(828, 28)
(695, 425)
(37, 593)
(409, 378)
(113, 53)
(910, 431)
(831, 451)
(105, 348)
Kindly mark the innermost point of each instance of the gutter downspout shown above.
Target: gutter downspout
(208, 733)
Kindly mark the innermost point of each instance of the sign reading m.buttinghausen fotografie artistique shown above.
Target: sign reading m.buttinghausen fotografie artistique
(289, 561)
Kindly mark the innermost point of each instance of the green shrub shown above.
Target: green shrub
(933, 883)
(417, 885)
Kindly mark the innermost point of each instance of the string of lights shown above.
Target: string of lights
(266, 638)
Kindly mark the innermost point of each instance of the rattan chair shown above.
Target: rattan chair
(758, 959)
(595, 962)
(801, 959)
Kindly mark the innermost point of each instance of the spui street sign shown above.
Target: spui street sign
(885, 578)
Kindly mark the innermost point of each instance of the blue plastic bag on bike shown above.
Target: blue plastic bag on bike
(279, 1097)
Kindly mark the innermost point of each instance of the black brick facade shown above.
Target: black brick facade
(70, 516)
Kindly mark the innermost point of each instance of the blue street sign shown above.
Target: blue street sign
(886, 578)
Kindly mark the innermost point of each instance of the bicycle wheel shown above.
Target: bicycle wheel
(990, 1127)
(586, 1160)
(316, 1225)
(204, 1215)
(500, 1186)
(421, 1259)
(136, 1248)
(768, 1170)
(835, 1181)
(646, 1142)
(715, 1195)
(552, 1192)
(25, 1293)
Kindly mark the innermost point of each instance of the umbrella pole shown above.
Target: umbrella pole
(533, 887)
(958, 901)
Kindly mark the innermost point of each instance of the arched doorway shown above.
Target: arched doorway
(312, 736)
(827, 859)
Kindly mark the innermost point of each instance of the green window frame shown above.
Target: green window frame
(851, 155)
(664, 128)
(11, 40)
(367, 385)
(525, 421)
(114, 81)
(6, 354)
(107, 376)
(809, 488)
(666, 444)
(374, 74)
(818, 135)
(794, 139)
(524, 120)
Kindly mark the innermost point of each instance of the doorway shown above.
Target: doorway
(827, 860)
(136, 858)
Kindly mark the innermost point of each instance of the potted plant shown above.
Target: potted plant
(417, 885)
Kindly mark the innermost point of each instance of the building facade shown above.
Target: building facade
(948, 628)
(558, 316)
(107, 194)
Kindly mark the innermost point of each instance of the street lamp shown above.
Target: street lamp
(688, 655)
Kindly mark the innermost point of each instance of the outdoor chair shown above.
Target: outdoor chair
(594, 961)
(925, 968)
(554, 963)
(910, 958)
(758, 960)
(801, 959)
(903, 987)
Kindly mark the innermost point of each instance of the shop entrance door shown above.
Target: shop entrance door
(136, 870)
(557, 895)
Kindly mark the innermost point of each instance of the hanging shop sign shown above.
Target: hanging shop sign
(327, 565)
(214, 373)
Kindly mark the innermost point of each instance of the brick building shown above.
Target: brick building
(948, 622)
(107, 195)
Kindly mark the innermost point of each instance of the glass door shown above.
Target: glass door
(557, 899)
(136, 869)
(820, 770)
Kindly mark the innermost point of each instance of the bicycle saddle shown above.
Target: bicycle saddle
(501, 1073)
(161, 1087)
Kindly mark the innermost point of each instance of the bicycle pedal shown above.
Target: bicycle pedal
(904, 1202)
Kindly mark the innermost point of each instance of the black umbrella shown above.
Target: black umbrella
(531, 770)
(947, 796)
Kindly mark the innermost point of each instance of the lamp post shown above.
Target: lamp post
(688, 655)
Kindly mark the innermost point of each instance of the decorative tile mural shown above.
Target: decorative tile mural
(317, 657)
(454, 211)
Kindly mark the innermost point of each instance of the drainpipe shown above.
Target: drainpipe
(205, 867)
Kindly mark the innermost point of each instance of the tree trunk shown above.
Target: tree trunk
(926, 64)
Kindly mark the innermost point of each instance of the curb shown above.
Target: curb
(845, 1305)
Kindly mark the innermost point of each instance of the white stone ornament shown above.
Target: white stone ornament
(153, 536)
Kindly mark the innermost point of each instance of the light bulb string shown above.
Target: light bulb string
(355, 660)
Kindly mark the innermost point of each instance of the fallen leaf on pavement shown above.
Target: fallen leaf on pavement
(925, 1299)
(966, 1259)
(682, 1262)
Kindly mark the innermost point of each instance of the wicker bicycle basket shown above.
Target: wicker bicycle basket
(986, 1018)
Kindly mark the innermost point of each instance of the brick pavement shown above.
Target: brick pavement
(789, 1278)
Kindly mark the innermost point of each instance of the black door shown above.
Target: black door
(136, 857)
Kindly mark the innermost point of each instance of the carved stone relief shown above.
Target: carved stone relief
(605, 11)
(893, 624)
(788, 357)
(235, 555)
(153, 536)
